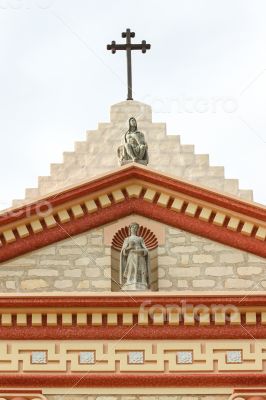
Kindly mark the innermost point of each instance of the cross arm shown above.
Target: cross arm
(143, 46)
(113, 46)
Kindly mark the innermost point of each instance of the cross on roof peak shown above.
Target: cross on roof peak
(128, 46)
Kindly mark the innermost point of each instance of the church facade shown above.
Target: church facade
(134, 271)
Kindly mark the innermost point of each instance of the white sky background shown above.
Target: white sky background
(205, 75)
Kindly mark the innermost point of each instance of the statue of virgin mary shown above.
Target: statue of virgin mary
(134, 262)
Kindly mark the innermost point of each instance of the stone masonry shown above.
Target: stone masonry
(97, 155)
(83, 263)
(190, 262)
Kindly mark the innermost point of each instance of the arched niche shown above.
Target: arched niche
(151, 243)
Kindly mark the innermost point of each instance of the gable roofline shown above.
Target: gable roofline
(137, 171)
(140, 190)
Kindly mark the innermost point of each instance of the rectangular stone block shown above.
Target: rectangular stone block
(39, 357)
(191, 209)
(36, 226)
(127, 319)
(9, 236)
(158, 318)
(205, 214)
(6, 319)
(91, 206)
(163, 199)
(81, 319)
(219, 219)
(23, 231)
(204, 318)
(149, 195)
(36, 319)
(21, 319)
(67, 319)
(251, 318)
(233, 224)
(261, 233)
(104, 201)
(219, 318)
(235, 318)
(63, 216)
(51, 319)
(143, 318)
(96, 319)
(118, 196)
(111, 319)
(77, 211)
(173, 317)
(247, 228)
(263, 318)
(189, 318)
(50, 221)
(133, 190)
(177, 205)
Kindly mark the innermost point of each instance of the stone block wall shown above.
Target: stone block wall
(190, 262)
(98, 154)
(186, 262)
(81, 263)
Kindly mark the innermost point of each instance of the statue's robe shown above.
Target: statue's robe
(134, 268)
(136, 149)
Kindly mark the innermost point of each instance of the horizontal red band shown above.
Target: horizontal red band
(251, 390)
(135, 333)
(133, 380)
(19, 391)
(134, 300)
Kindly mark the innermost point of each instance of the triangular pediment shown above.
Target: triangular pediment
(134, 190)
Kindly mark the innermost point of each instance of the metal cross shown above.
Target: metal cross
(143, 46)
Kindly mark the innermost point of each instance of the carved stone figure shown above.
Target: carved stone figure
(134, 262)
(133, 148)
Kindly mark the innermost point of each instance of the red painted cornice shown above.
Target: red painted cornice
(134, 304)
(146, 175)
(166, 332)
(135, 301)
(137, 206)
(134, 380)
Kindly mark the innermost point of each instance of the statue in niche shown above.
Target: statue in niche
(133, 148)
(134, 262)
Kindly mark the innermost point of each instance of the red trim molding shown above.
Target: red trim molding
(133, 333)
(134, 206)
(30, 391)
(146, 175)
(140, 206)
(133, 380)
(251, 300)
(136, 305)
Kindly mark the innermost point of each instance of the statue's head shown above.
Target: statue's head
(134, 227)
(132, 123)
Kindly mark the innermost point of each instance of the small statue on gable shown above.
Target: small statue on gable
(133, 148)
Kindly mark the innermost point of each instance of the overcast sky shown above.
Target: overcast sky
(205, 76)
